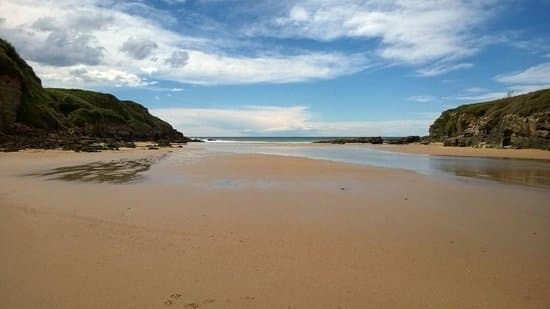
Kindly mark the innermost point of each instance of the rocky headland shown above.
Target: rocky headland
(521, 121)
(32, 116)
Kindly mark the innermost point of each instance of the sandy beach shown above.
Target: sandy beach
(202, 229)
(440, 150)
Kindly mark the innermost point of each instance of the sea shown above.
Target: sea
(268, 139)
(533, 173)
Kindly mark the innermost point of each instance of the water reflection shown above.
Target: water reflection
(533, 173)
(525, 172)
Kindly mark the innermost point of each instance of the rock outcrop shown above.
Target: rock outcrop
(374, 140)
(521, 121)
(36, 117)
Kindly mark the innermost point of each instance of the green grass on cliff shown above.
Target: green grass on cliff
(521, 105)
(35, 109)
(88, 112)
(82, 108)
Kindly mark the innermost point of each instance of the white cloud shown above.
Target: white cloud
(278, 120)
(519, 89)
(488, 96)
(440, 69)
(535, 75)
(100, 39)
(88, 76)
(422, 98)
(412, 32)
(531, 79)
(139, 48)
(515, 83)
(476, 90)
(219, 69)
(204, 121)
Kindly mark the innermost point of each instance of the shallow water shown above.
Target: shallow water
(523, 172)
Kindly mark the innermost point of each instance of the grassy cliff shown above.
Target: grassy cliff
(521, 121)
(29, 110)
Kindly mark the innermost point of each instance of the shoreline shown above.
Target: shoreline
(436, 149)
(265, 231)
(440, 150)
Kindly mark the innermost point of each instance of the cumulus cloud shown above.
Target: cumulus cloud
(130, 38)
(279, 120)
(178, 59)
(412, 32)
(138, 48)
(82, 76)
(208, 69)
(78, 47)
(240, 121)
(48, 41)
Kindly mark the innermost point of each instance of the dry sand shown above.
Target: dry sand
(207, 230)
(440, 150)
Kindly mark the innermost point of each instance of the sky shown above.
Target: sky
(288, 68)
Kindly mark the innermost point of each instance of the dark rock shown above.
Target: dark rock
(361, 140)
(402, 140)
(516, 122)
(163, 143)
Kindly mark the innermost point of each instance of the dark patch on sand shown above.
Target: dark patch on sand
(120, 171)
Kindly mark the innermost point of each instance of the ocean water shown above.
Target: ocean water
(534, 173)
(270, 139)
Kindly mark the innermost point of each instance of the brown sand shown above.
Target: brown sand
(440, 150)
(257, 231)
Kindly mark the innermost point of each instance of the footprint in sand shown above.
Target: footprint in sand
(176, 296)
(173, 299)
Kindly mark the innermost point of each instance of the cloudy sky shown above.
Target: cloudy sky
(280, 68)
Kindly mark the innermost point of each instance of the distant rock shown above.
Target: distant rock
(373, 140)
(521, 121)
(402, 140)
(360, 140)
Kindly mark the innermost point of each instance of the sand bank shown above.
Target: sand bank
(212, 230)
(440, 150)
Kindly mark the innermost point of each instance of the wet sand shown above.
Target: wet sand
(212, 230)
(440, 150)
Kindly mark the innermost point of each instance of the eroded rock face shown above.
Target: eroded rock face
(10, 99)
(32, 116)
(517, 122)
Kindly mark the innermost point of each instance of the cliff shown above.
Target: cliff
(33, 116)
(521, 121)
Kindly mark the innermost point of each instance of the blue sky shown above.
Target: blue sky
(280, 68)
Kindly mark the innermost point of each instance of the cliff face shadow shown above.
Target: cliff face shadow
(121, 171)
